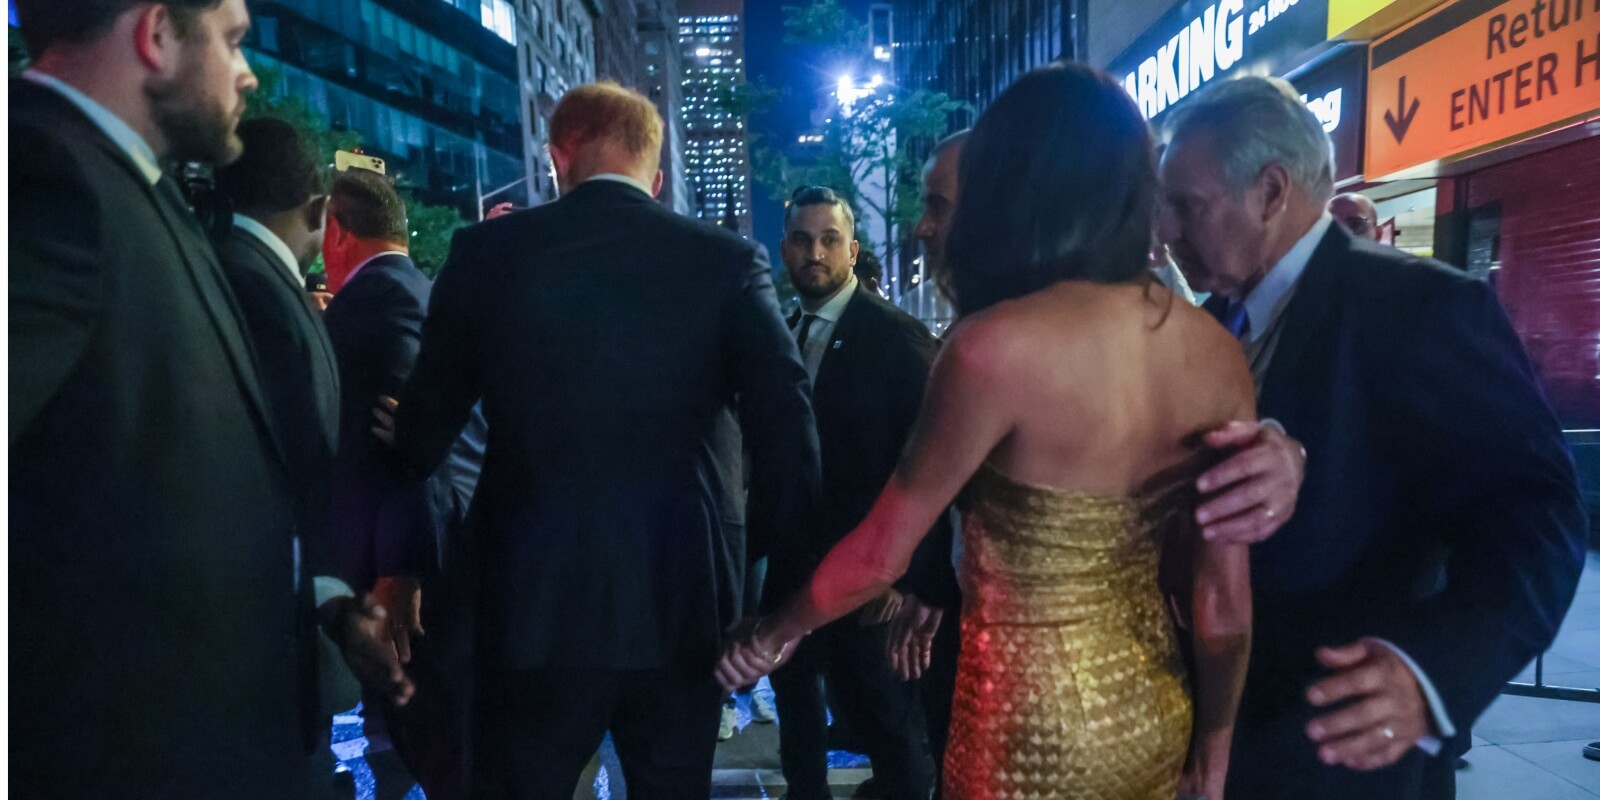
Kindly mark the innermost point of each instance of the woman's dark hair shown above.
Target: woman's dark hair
(1057, 183)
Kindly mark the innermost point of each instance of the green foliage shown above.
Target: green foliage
(873, 143)
(826, 24)
(431, 230)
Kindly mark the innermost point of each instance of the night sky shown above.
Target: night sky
(798, 74)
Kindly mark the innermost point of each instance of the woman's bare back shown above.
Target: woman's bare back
(1110, 384)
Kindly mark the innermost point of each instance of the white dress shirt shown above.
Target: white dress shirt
(125, 137)
(286, 258)
(1264, 307)
(821, 330)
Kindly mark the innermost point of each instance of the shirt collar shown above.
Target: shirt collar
(1266, 301)
(273, 242)
(612, 176)
(832, 310)
(352, 275)
(120, 133)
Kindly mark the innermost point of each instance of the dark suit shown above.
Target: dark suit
(388, 523)
(607, 337)
(301, 381)
(299, 376)
(1428, 436)
(868, 393)
(156, 605)
(385, 522)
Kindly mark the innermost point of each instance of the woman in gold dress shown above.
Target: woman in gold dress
(1063, 411)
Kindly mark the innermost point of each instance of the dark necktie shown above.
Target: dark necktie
(804, 331)
(1231, 314)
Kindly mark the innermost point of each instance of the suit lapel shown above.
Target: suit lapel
(1307, 316)
(325, 369)
(218, 300)
(844, 333)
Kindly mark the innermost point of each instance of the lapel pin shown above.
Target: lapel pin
(838, 343)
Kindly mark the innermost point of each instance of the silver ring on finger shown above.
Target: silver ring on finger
(1388, 733)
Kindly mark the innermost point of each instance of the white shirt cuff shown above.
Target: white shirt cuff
(330, 588)
(1431, 745)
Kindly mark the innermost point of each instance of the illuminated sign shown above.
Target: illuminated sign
(1474, 74)
(1196, 43)
(1335, 91)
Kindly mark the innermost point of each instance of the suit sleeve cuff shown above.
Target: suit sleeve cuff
(330, 588)
(1431, 745)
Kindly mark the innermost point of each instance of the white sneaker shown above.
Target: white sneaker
(730, 723)
(762, 707)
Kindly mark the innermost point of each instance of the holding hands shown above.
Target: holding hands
(749, 655)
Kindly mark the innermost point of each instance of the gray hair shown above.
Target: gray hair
(1256, 122)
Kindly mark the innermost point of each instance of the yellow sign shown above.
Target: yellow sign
(1346, 14)
(1474, 73)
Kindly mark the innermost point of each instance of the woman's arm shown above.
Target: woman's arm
(965, 415)
(1221, 638)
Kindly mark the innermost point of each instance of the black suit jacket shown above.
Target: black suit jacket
(1429, 442)
(607, 338)
(868, 393)
(299, 375)
(155, 599)
(385, 522)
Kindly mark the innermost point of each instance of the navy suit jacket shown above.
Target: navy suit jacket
(607, 339)
(385, 522)
(1440, 509)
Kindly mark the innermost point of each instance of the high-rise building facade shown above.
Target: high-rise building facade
(616, 43)
(556, 51)
(972, 51)
(431, 85)
(717, 152)
(660, 78)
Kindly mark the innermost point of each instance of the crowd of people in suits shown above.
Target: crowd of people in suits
(518, 508)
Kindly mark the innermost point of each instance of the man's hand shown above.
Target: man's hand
(1385, 716)
(322, 299)
(748, 655)
(361, 629)
(1253, 493)
(383, 419)
(401, 599)
(882, 608)
(910, 638)
(499, 210)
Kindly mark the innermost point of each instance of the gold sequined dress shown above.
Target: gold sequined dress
(1071, 684)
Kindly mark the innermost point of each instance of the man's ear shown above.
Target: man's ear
(655, 186)
(155, 38)
(316, 213)
(1273, 188)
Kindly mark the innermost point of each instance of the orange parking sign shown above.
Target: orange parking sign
(1475, 73)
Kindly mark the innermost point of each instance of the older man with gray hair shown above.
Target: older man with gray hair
(1437, 541)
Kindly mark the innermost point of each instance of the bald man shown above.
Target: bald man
(1356, 214)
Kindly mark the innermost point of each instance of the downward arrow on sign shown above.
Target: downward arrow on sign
(1398, 127)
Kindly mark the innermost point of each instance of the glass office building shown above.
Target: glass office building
(429, 84)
